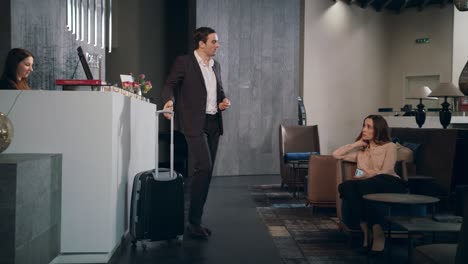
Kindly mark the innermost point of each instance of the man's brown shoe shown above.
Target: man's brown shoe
(196, 231)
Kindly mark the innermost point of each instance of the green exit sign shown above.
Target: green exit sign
(422, 41)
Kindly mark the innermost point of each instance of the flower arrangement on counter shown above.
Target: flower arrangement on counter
(144, 85)
(139, 84)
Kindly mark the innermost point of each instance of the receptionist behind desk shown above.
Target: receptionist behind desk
(18, 66)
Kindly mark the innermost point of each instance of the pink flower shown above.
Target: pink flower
(126, 84)
(141, 76)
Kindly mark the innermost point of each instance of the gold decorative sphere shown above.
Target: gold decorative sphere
(6, 132)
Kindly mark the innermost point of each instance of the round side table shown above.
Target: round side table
(398, 199)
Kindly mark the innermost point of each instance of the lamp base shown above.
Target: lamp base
(445, 115)
(420, 115)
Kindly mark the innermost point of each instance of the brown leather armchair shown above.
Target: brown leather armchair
(321, 181)
(325, 173)
(345, 171)
(294, 138)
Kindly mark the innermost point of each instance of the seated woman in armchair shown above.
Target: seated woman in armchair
(375, 156)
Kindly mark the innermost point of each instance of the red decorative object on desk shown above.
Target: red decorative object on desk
(80, 82)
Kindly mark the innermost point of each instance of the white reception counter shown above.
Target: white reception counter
(105, 139)
(431, 121)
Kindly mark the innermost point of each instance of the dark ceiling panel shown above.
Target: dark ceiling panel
(399, 5)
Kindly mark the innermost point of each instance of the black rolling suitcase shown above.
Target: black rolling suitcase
(157, 202)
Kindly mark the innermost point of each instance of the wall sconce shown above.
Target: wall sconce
(78, 19)
(421, 93)
(446, 90)
(89, 21)
(69, 15)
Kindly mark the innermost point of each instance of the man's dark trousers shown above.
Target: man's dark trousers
(203, 148)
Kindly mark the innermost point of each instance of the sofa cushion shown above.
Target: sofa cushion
(291, 156)
(415, 147)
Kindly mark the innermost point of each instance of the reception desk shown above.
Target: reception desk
(105, 138)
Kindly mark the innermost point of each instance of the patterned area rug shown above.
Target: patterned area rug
(302, 236)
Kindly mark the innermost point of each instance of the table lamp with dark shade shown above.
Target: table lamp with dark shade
(420, 93)
(446, 90)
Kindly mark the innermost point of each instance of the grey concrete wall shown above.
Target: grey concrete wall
(30, 205)
(260, 64)
(40, 26)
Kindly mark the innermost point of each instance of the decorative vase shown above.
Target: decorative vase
(462, 5)
(445, 115)
(463, 80)
(6, 132)
(138, 91)
(420, 115)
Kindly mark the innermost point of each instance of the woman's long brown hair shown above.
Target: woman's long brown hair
(381, 130)
(15, 56)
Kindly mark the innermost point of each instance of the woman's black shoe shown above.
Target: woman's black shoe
(196, 231)
(363, 250)
(376, 253)
(377, 257)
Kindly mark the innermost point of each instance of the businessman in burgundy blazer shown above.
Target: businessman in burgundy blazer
(195, 91)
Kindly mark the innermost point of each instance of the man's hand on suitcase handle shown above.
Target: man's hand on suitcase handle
(168, 106)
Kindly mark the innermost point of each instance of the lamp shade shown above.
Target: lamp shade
(447, 89)
(421, 92)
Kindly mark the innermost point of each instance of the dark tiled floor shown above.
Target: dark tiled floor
(252, 225)
(239, 235)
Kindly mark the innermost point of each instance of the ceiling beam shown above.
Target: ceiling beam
(423, 5)
(384, 5)
(403, 6)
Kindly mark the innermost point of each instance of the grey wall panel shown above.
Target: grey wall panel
(40, 27)
(259, 56)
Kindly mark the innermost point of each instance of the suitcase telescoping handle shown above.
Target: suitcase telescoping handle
(172, 175)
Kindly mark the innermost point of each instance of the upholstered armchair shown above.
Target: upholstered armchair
(296, 139)
(325, 173)
(321, 181)
(345, 171)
